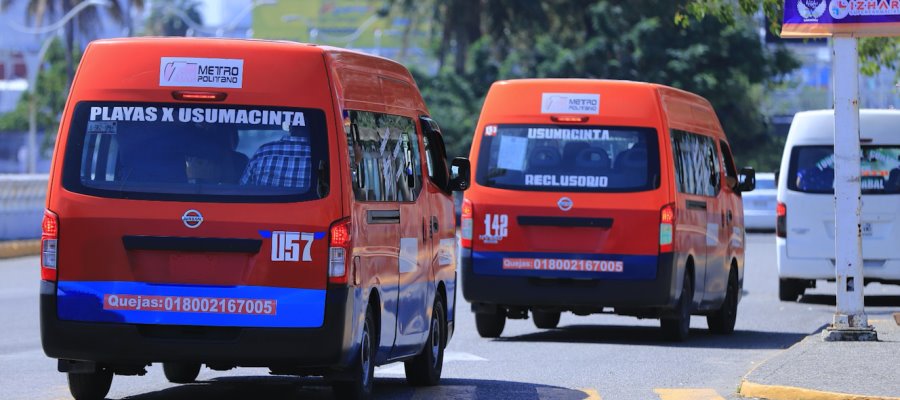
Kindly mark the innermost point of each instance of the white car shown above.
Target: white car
(759, 205)
(805, 221)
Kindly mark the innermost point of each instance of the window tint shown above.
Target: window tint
(435, 154)
(574, 159)
(184, 152)
(811, 169)
(730, 169)
(384, 157)
(697, 163)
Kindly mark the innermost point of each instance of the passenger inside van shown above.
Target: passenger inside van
(282, 163)
(893, 182)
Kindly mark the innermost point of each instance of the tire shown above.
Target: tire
(490, 325)
(790, 289)
(425, 369)
(721, 322)
(90, 386)
(363, 370)
(181, 372)
(677, 328)
(545, 319)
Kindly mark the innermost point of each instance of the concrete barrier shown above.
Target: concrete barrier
(21, 210)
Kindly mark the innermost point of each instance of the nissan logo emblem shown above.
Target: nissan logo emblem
(564, 203)
(192, 218)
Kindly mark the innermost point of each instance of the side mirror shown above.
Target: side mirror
(747, 178)
(460, 171)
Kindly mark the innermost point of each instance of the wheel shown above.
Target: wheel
(722, 320)
(425, 368)
(363, 370)
(677, 328)
(790, 289)
(90, 386)
(490, 325)
(545, 319)
(181, 372)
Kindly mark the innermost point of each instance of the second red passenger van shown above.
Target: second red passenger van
(602, 196)
(236, 203)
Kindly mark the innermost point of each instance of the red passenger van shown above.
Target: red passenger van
(235, 203)
(598, 196)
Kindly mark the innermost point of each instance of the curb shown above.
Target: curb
(20, 248)
(775, 392)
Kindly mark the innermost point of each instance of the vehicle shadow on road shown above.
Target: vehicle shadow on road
(871, 301)
(281, 387)
(652, 336)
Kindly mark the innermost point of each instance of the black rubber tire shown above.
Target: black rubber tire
(90, 386)
(360, 386)
(790, 289)
(490, 325)
(425, 368)
(677, 328)
(721, 322)
(181, 372)
(545, 319)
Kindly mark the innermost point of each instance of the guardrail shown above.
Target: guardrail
(21, 206)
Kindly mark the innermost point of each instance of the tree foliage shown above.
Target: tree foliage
(874, 53)
(721, 59)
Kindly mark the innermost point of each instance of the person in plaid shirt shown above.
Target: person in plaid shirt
(283, 163)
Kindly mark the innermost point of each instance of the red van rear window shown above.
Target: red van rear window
(197, 152)
(569, 159)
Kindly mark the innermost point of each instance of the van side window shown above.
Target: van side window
(730, 169)
(436, 156)
(384, 157)
(697, 165)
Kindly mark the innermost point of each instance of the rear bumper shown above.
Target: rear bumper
(522, 291)
(759, 220)
(823, 268)
(330, 346)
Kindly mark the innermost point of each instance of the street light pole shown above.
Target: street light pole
(850, 322)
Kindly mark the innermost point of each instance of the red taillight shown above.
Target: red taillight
(465, 222)
(338, 251)
(199, 96)
(49, 244)
(568, 119)
(667, 229)
(781, 220)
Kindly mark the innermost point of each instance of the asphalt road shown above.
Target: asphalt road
(594, 357)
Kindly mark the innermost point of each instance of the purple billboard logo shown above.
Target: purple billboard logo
(811, 10)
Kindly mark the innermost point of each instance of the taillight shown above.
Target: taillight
(338, 252)
(465, 222)
(781, 220)
(49, 244)
(667, 229)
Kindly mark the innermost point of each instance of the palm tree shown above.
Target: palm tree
(85, 22)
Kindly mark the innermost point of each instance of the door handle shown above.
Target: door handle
(383, 216)
(729, 216)
(434, 225)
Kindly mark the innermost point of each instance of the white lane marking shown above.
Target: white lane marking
(449, 356)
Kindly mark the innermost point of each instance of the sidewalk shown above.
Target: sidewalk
(817, 370)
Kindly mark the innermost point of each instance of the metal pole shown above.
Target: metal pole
(850, 320)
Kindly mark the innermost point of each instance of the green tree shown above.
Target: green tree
(874, 53)
(167, 18)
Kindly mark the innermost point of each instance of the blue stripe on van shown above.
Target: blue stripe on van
(635, 267)
(294, 308)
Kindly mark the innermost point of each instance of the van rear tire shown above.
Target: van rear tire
(721, 322)
(546, 319)
(490, 325)
(91, 385)
(181, 372)
(790, 289)
(425, 369)
(677, 328)
(362, 372)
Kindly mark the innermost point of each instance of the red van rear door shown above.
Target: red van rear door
(574, 202)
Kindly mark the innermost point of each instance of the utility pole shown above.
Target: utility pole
(850, 322)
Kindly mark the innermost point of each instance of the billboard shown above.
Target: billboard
(818, 18)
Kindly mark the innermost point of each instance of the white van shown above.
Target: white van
(805, 222)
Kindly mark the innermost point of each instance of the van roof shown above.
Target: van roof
(131, 65)
(622, 102)
(817, 127)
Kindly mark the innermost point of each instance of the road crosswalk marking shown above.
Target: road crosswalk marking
(688, 394)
